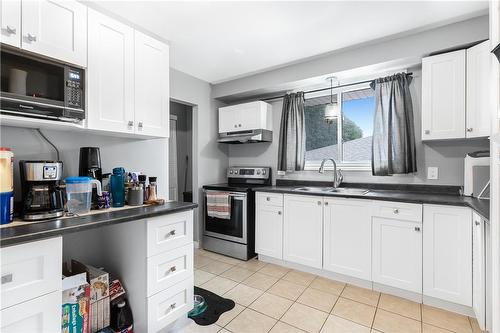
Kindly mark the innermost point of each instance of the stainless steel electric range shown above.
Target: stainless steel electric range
(235, 237)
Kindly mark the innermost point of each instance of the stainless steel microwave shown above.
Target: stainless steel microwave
(40, 88)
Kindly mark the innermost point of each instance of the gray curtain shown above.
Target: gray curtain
(393, 145)
(292, 142)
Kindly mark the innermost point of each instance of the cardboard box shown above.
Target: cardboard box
(75, 304)
(99, 294)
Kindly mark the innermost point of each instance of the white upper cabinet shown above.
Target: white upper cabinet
(110, 74)
(479, 104)
(57, 29)
(443, 96)
(397, 253)
(11, 22)
(303, 230)
(245, 117)
(347, 237)
(151, 86)
(447, 253)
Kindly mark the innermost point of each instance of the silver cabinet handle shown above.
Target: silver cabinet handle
(477, 223)
(171, 233)
(130, 124)
(170, 308)
(417, 228)
(469, 129)
(239, 125)
(396, 211)
(319, 203)
(326, 203)
(171, 270)
(31, 38)
(235, 126)
(10, 29)
(427, 132)
(279, 212)
(6, 278)
(139, 125)
(268, 199)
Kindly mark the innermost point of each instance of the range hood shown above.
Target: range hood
(246, 123)
(251, 136)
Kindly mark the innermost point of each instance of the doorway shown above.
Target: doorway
(181, 152)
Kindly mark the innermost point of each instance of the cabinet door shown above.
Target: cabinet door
(347, 237)
(110, 75)
(11, 22)
(151, 86)
(269, 230)
(397, 253)
(303, 230)
(228, 120)
(443, 96)
(479, 270)
(57, 29)
(479, 106)
(39, 315)
(447, 253)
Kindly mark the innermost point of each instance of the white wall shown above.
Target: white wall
(210, 159)
(448, 156)
(149, 156)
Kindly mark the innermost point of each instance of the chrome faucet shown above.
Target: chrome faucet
(338, 177)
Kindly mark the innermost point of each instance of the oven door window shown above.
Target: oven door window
(229, 228)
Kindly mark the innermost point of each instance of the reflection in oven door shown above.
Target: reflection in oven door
(235, 228)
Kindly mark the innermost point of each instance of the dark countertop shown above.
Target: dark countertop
(481, 206)
(10, 235)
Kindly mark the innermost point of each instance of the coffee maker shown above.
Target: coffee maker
(42, 197)
(90, 166)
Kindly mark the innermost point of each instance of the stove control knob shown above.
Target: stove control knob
(231, 172)
(258, 172)
(235, 172)
(263, 171)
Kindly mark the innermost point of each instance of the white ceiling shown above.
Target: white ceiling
(219, 41)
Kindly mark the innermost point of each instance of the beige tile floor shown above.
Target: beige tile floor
(271, 298)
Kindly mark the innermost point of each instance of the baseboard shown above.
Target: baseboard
(412, 296)
(453, 307)
(196, 244)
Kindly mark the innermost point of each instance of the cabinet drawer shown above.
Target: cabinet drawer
(169, 232)
(270, 199)
(30, 270)
(398, 210)
(39, 315)
(169, 305)
(169, 268)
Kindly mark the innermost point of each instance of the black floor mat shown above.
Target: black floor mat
(216, 306)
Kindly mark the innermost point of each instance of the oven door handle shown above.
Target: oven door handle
(238, 195)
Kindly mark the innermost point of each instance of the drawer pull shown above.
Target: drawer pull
(31, 38)
(319, 203)
(477, 222)
(326, 203)
(6, 278)
(171, 307)
(417, 228)
(279, 212)
(171, 270)
(396, 211)
(11, 30)
(268, 199)
(171, 233)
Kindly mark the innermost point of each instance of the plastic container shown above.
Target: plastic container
(6, 185)
(79, 194)
(117, 182)
(121, 317)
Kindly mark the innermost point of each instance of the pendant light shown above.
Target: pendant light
(332, 109)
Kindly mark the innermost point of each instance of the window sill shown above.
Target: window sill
(343, 167)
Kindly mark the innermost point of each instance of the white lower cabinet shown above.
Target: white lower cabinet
(479, 269)
(447, 253)
(269, 225)
(39, 315)
(347, 237)
(397, 253)
(303, 230)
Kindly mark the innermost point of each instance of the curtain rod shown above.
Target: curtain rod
(323, 89)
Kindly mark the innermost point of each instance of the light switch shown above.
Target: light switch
(432, 173)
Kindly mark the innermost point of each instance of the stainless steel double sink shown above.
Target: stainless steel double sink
(332, 190)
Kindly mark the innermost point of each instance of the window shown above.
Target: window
(353, 130)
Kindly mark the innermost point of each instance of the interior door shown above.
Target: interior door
(397, 253)
(151, 86)
(110, 75)
(443, 96)
(479, 106)
(55, 28)
(11, 23)
(303, 230)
